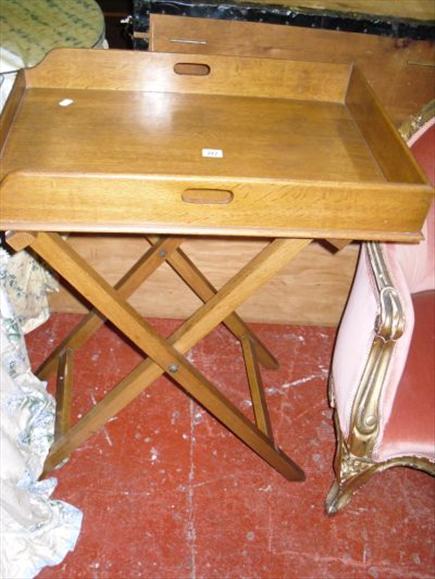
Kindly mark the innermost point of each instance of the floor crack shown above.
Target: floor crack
(191, 530)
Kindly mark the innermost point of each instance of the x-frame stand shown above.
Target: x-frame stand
(163, 355)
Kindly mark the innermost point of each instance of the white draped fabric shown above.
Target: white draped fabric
(35, 530)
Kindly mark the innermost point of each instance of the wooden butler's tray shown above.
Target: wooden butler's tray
(178, 145)
(157, 142)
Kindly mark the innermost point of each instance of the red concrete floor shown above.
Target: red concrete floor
(167, 492)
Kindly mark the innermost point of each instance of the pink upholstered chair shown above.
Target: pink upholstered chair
(382, 382)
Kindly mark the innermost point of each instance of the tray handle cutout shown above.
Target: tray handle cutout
(207, 196)
(191, 69)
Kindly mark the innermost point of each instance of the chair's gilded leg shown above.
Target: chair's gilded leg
(127, 285)
(350, 471)
(200, 285)
(59, 255)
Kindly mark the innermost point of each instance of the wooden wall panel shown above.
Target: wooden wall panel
(310, 290)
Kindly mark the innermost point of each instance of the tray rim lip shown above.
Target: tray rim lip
(192, 57)
(235, 181)
(217, 96)
(422, 195)
(149, 54)
(197, 230)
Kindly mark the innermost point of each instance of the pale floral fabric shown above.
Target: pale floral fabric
(35, 530)
(28, 284)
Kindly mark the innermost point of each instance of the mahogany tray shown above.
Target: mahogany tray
(118, 141)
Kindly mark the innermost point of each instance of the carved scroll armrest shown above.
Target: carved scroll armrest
(390, 321)
(389, 327)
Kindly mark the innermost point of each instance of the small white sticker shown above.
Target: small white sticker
(213, 153)
(66, 102)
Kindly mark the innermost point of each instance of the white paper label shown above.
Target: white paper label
(65, 102)
(213, 153)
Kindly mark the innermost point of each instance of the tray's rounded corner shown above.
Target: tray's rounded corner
(8, 180)
(55, 57)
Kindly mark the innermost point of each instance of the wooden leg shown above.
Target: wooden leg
(63, 394)
(259, 404)
(193, 277)
(135, 276)
(74, 269)
(339, 244)
(162, 251)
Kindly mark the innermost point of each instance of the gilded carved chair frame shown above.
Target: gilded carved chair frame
(354, 463)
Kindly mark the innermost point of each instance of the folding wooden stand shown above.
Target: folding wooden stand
(178, 145)
(164, 355)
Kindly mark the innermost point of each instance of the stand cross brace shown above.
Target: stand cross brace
(166, 355)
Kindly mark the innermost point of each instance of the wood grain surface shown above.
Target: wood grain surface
(164, 134)
(401, 72)
(145, 72)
